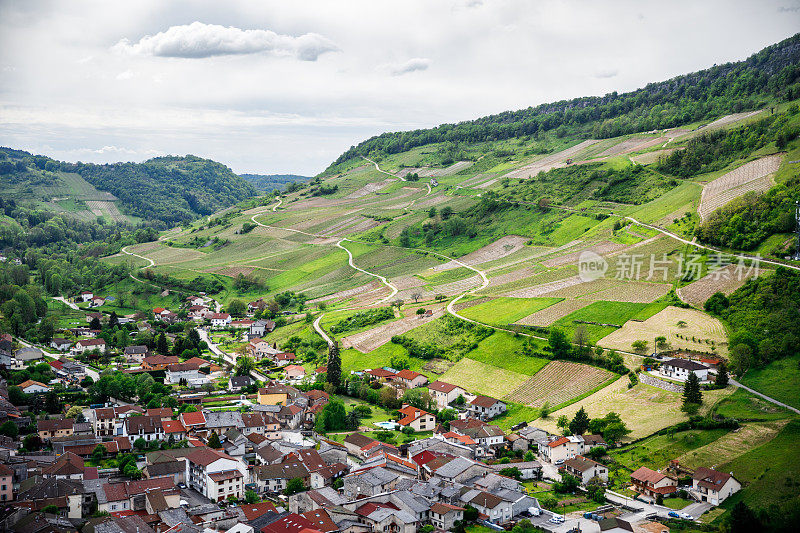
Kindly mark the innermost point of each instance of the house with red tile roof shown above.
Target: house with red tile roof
(88, 345)
(562, 448)
(215, 475)
(174, 429)
(652, 483)
(291, 523)
(380, 373)
(33, 387)
(254, 510)
(410, 379)
(709, 485)
(416, 418)
(485, 407)
(193, 421)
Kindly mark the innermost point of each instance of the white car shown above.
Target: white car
(557, 519)
(686, 516)
(559, 462)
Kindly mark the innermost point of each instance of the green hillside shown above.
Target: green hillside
(271, 182)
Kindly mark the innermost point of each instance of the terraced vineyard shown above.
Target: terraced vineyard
(746, 178)
(559, 382)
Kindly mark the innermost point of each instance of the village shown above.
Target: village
(240, 448)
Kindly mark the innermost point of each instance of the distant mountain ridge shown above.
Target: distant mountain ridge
(772, 73)
(270, 182)
(164, 190)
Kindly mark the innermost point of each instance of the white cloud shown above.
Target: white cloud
(606, 73)
(412, 65)
(199, 40)
(125, 75)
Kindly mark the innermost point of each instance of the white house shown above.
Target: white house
(62, 345)
(496, 508)
(88, 345)
(143, 427)
(680, 369)
(189, 372)
(86, 296)
(486, 408)
(215, 475)
(261, 327)
(713, 487)
(417, 419)
(220, 320)
(585, 469)
(445, 393)
(33, 387)
(559, 450)
(194, 300)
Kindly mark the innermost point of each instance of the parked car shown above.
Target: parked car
(673, 514)
(686, 516)
(557, 519)
(559, 462)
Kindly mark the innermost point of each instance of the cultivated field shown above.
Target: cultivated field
(366, 341)
(737, 182)
(548, 315)
(699, 326)
(631, 145)
(482, 378)
(548, 162)
(499, 249)
(558, 382)
(505, 311)
(726, 280)
(733, 444)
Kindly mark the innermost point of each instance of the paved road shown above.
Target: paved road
(382, 278)
(760, 395)
(69, 304)
(321, 331)
(383, 171)
(204, 336)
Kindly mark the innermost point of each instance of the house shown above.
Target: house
(33, 387)
(444, 516)
(174, 429)
(143, 427)
(259, 328)
(380, 374)
(486, 408)
(713, 487)
(28, 353)
(92, 316)
(237, 383)
(283, 358)
(159, 362)
(147, 495)
(410, 379)
(417, 419)
(185, 373)
(585, 469)
(291, 523)
(295, 372)
(97, 301)
(89, 345)
(497, 509)
(136, 353)
(444, 393)
(193, 421)
(55, 428)
(273, 478)
(369, 482)
(220, 320)
(160, 313)
(559, 450)
(273, 395)
(62, 345)
(194, 300)
(679, 369)
(86, 296)
(221, 422)
(258, 348)
(255, 305)
(651, 483)
(215, 475)
(68, 466)
(380, 516)
(6, 483)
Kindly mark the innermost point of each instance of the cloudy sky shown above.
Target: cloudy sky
(286, 86)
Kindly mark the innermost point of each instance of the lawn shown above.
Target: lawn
(779, 379)
(515, 414)
(503, 350)
(655, 452)
(745, 406)
(770, 472)
(602, 312)
(481, 378)
(505, 311)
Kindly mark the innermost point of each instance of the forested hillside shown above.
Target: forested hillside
(771, 74)
(271, 182)
(164, 190)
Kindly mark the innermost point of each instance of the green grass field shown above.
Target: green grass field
(505, 311)
(745, 406)
(503, 350)
(603, 312)
(657, 451)
(779, 380)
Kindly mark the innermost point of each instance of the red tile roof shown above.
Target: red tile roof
(196, 418)
(321, 520)
(646, 475)
(408, 374)
(254, 510)
(411, 414)
(380, 373)
(291, 523)
(484, 401)
(558, 442)
(441, 386)
(173, 426)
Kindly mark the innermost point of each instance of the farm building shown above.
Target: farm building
(713, 487)
(681, 368)
(486, 408)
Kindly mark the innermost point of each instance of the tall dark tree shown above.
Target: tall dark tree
(691, 390)
(722, 375)
(113, 321)
(743, 519)
(213, 440)
(579, 423)
(94, 323)
(161, 344)
(334, 373)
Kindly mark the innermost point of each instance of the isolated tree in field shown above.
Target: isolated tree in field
(559, 345)
(661, 343)
(691, 390)
(581, 337)
(244, 365)
(544, 412)
(579, 423)
(431, 212)
(639, 346)
(334, 374)
(416, 296)
(722, 375)
(398, 303)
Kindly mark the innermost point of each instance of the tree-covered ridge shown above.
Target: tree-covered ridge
(270, 182)
(167, 190)
(772, 73)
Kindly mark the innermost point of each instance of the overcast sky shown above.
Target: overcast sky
(286, 86)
